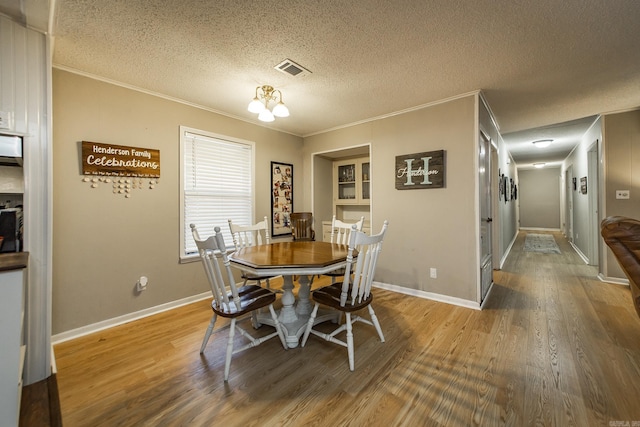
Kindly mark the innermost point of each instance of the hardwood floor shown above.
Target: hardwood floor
(554, 346)
(40, 404)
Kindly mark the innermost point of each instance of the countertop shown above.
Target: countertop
(13, 260)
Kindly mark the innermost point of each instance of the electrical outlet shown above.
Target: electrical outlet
(141, 284)
(622, 194)
(433, 273)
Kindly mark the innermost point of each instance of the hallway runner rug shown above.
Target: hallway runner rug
(544, 243)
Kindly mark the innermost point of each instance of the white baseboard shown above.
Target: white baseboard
(429, 295)
(109, 323)
(579, 252)
(540, 229)
(507, 252)
(614, 280)
(54, 367)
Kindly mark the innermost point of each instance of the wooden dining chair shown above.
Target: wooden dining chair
(230, 301)
(245, 236)
(340, 233)
(353, 293)
(302, 226)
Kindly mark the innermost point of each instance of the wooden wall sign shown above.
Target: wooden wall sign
(119, 160)
(420, 170)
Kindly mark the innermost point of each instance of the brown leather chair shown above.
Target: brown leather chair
(622, 235)
(302, 226)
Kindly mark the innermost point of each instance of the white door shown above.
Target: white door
(592, 193)
(484, 181)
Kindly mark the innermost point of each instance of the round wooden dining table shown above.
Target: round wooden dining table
(289, 259)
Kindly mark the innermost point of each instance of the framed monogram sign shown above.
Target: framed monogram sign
(420, 170)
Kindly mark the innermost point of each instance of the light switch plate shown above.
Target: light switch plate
(622, 194)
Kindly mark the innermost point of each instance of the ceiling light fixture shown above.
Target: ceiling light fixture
(542, 143)
(260, 104)
(539, 165)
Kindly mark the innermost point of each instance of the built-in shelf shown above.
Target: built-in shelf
(351, 189)
(351, 182)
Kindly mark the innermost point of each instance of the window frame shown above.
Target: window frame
(185, 257)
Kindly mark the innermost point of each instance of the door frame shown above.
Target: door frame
(569, 203)
(593, 201)
(485, 206)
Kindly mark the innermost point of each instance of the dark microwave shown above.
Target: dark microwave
(11, 230)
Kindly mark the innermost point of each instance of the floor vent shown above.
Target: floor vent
(289, 67)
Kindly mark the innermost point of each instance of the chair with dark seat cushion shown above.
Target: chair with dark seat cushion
(353, 293)
(302, 226)
(622, 235)
(230, 301)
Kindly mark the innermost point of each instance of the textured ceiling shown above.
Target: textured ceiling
(565, 136)
(538, 63)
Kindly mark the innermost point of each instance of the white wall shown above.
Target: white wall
(25, 94)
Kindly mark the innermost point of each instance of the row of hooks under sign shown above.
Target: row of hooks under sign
(122, 185)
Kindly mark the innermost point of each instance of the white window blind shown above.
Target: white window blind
(217, 185)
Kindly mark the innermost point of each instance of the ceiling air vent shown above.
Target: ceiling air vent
(289, 67)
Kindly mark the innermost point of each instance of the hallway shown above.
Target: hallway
(582, 354)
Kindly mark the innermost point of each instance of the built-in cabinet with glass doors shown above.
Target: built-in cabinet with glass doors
(351, 192)
(351, 182)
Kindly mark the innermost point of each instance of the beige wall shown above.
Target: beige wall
(622, 172)
(322, 191)
(539, 198)
(102, 243)
(430, 227)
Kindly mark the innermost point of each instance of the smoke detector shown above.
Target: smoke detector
(293, 69)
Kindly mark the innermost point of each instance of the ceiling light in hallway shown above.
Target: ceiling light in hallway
(542, 143)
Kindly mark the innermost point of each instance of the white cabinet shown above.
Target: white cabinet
(12, 349)
(351, 182)
(326, 229)
(352, 189)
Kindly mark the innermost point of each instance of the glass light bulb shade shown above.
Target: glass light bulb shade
(256, 106)
(542, 143)
(280, 110)
(266, 116)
